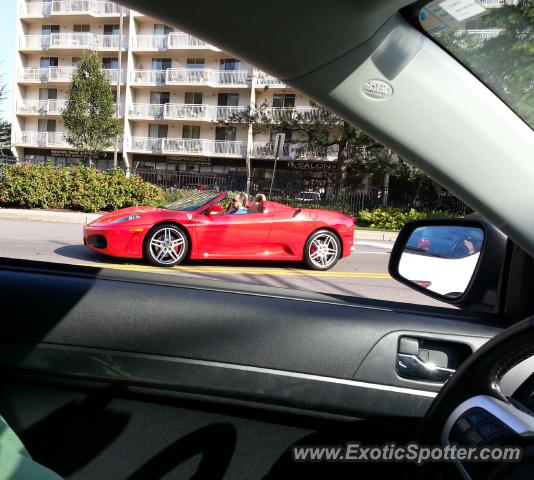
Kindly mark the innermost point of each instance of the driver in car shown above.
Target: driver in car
(239, 208)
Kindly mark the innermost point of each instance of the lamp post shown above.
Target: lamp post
(278, 148)
(118, 102)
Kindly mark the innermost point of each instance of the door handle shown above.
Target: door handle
(411, 366)
(429, 359)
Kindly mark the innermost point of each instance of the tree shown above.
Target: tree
(5, 127)
(90, 124)
(5, 138)
(319, 131)
(504, 61)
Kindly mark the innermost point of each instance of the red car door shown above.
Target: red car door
(232, 236)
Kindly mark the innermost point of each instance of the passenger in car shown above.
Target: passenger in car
(257, 206)
(239, 209)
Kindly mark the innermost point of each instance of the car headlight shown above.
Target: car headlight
(127, 219)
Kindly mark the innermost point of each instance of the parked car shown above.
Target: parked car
(309, 196)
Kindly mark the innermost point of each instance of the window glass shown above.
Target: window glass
(193, 98)
(191, 131)
(195, 63)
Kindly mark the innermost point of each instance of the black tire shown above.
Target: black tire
(158, 247)
(329, 247)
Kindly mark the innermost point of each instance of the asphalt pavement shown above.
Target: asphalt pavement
(363, 274)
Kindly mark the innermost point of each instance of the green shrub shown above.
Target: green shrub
(82, 188)
(173, 194)
(393, 218)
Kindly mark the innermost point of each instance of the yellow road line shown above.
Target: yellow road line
(238, 271)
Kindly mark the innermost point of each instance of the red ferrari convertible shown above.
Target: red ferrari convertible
(198, 227)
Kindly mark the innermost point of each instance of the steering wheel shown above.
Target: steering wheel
(471, 410)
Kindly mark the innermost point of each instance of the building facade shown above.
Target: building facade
(180, 99)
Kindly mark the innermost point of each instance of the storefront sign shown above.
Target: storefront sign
(321, 166)
(195, 160)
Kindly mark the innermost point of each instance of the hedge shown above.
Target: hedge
(87, 189)
(394, 219)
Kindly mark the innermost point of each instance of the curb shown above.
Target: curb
(375, 235)
(47, 216)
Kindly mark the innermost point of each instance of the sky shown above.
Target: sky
(7, 52)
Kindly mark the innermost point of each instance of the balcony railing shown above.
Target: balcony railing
(192, 76)
(179, 111)
(265, 80)
(40, 107)
(151, 42)
(497, 3)
(295, 151)
(299, 114)
(71, 40)
(41, 139)
(171, 41)
(46, 107)
(191, 146)
(61, 7)
(61, 74)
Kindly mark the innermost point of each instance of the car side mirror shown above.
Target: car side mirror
(457, 261)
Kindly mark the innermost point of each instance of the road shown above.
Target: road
(363, 274)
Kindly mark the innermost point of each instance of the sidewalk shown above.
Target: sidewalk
(47, 216)
(83, 218)
(375, 235)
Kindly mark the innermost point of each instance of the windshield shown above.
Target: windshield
(494, 39)
(193, 202)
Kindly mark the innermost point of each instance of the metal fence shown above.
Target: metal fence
(349, 200)
(192, 180)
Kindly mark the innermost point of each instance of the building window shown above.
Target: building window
(227, 134)
(48, 94)
(230, 64)
(159, 98)
(193, 98)
(49, 62)
(284, 100)
(114, 29)
(195, 63)
(81, 28)
(48, 29)
(110, 63)
(46, 126)
(75, 61)
(228, 99)
(161, 63)
(191, 131)
(158, 131)
(161, 29)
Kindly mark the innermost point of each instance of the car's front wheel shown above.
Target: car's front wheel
(322, 250)
(166, 245)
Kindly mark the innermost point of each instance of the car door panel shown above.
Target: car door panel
(231, 236)
(304, 344)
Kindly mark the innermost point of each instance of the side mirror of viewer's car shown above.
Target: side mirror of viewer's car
(458, 261)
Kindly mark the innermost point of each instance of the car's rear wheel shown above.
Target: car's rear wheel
(166, 245)
(322, 250)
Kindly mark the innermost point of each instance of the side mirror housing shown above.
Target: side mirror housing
(458, 261)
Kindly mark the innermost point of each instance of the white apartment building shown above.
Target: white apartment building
(176, 95)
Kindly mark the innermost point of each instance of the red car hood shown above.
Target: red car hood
(123, 212)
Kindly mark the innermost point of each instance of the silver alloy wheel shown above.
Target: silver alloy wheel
(323, 250)
(167, 245)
